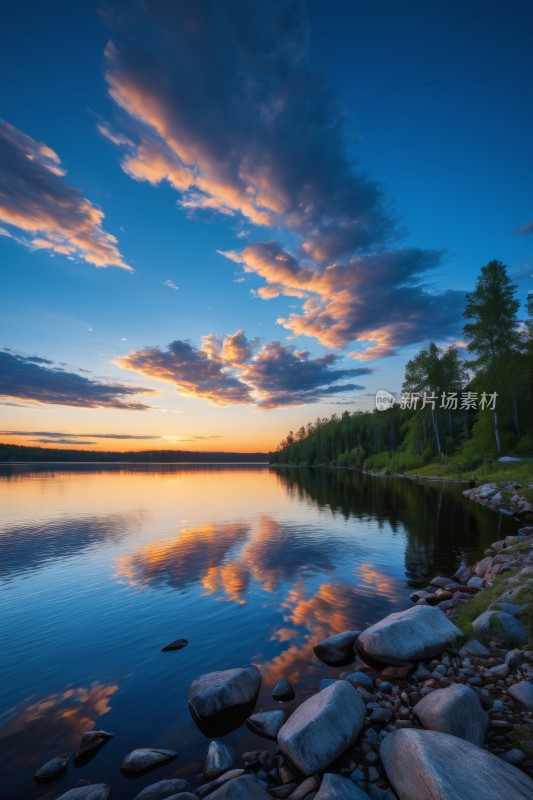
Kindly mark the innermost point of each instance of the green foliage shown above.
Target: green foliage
(455, 440)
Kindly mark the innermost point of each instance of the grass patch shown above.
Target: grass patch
(490, 472)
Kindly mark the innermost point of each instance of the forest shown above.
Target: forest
(13, 453)
(455, 412)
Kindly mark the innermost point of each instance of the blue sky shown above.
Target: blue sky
(321, 182)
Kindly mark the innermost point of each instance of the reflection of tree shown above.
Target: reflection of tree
(53, 724)
(24, 548)
(441, 527)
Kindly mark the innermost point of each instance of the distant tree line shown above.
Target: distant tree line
(21, 453)
(463, 410)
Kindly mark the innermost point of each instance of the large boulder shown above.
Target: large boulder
(429, 765)
(456, 710)
(322, 728)
(416, 634)
(338, 649)
(335, 787)
(219, 693)
(500, 626)
(243, 788)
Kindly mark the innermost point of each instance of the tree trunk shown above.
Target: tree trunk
(497, 431)
(516, 419)
(436, 429)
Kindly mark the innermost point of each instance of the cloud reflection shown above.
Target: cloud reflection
(54, 722)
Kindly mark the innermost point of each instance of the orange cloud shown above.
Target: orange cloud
(229, 371)
(42, 211)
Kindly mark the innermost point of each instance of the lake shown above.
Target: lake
(100, 567)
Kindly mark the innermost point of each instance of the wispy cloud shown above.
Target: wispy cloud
(523, 229)
(220, 102)
(63, 434)
(235, 370)
(41, 210)
(39, 380)
(171, 285)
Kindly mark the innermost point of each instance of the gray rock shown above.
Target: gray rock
(183, 796)
(219, 758)
(482, 567)
(418, 633)
(91, 742)
(163, 789)
(93, 791)
(500, 626)
(476, 583)
(53, 769)
(429, 765)
(513, 756)
(335, 787)
(145, 758)
(240, 788)
(322, 728)
(219, 693)
(207, 788)
(310, 784)
(266, 723)
(338, 649)
(513, 658)
(509, 608)
(360, 679)
(325, 682)
(499, 671)
(456, 710)
(283, 690)
(523, 693)
(474, 648)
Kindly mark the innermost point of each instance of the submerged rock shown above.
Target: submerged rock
(266, 723)
(53, 769)
(338, 649)
(177, 644)
(283, 690)
(93, 791)
(429, 765)
(500, 626)
(163, 789)
(90, 743)
(146, 758)
(218, 693)
(322, 728)
(416, 634)
(456, 710)
(335, 787)
(219, 758)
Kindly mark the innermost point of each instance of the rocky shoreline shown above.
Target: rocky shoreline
(423, 712)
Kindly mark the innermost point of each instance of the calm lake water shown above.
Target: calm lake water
(101, 567)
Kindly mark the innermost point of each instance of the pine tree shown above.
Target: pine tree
(493, 334)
